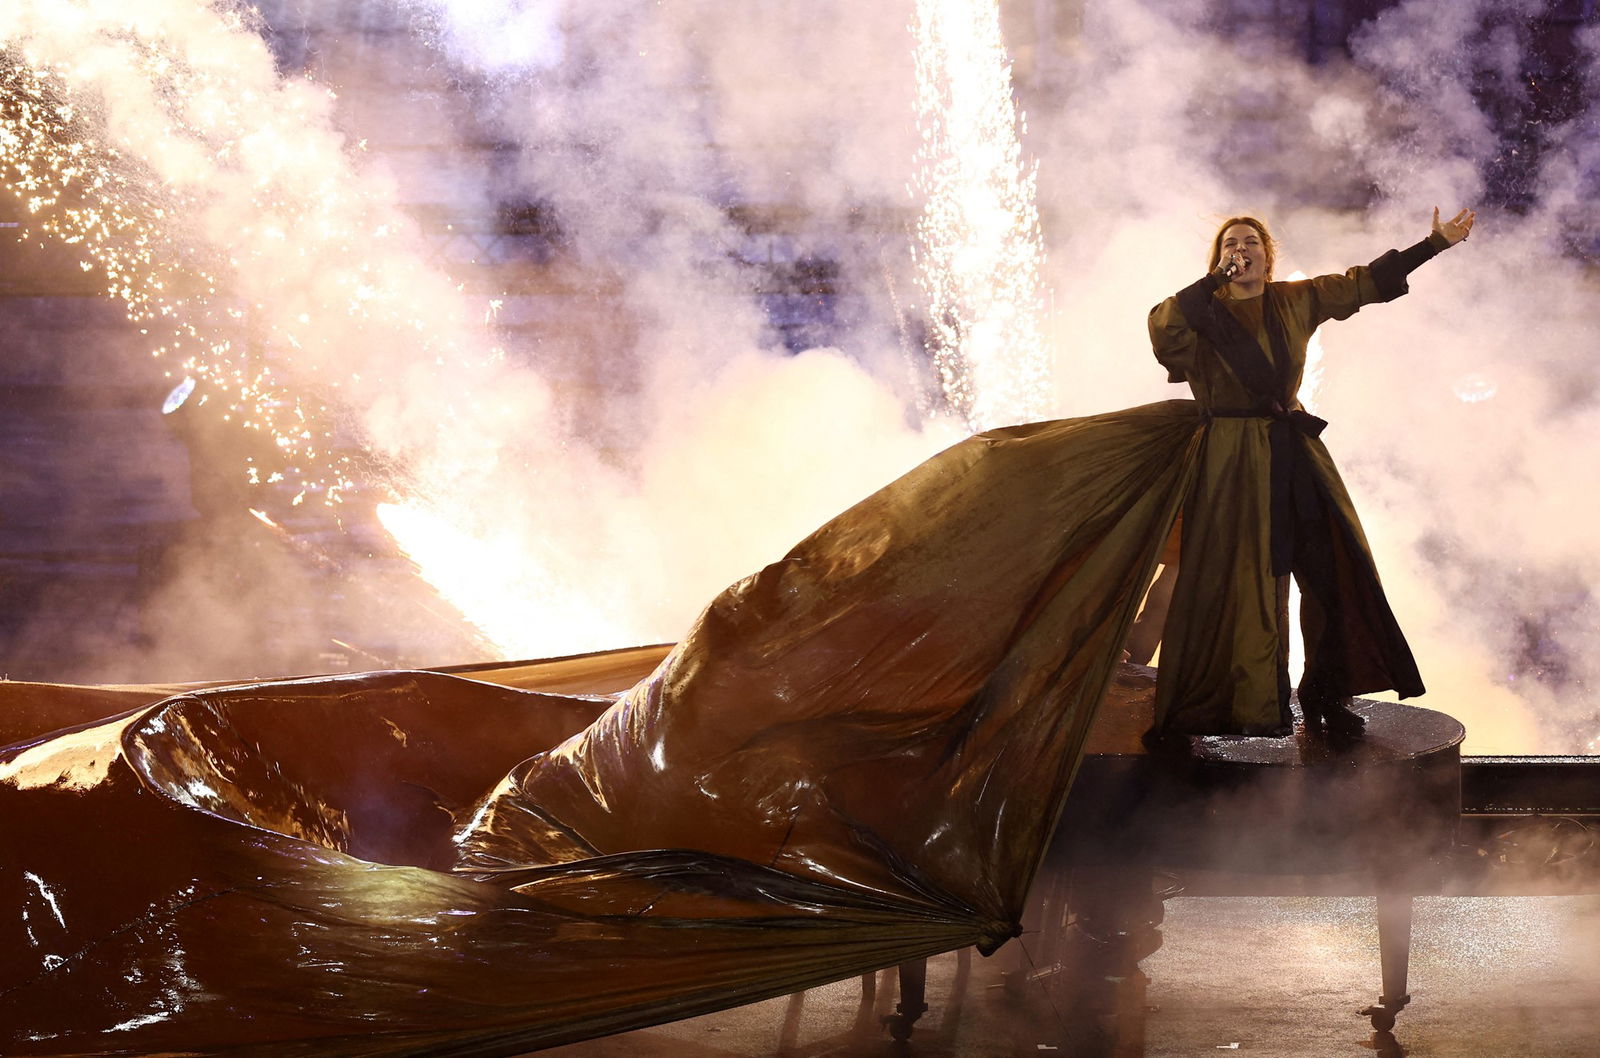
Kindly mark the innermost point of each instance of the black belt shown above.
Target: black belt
(1294, 489)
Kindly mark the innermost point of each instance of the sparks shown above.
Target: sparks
(83, 192)
(980, 249)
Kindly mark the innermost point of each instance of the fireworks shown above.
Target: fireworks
(279, 280)
(226, 212)
(487, 574)
(283, 290)
(119, 217)
(980, 248)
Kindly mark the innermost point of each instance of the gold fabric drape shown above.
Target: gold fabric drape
(854, 758)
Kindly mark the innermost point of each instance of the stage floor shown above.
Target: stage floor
(1278, 976)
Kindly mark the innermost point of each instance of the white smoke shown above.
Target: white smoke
(657, 120)
(657, 442)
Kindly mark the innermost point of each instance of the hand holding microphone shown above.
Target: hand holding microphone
(1233, 265)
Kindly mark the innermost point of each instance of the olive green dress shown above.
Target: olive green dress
(1267, 501)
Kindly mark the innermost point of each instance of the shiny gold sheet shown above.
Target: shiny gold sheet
(855, 758)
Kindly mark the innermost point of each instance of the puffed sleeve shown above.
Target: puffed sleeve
(1338, 297)
(1173, 337)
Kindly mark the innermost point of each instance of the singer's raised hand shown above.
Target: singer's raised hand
(1456, 228)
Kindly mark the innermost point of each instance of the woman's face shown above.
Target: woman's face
(1243, 239)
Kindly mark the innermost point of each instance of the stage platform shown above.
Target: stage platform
(1277, 977)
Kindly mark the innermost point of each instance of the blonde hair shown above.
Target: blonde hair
(1267, 241)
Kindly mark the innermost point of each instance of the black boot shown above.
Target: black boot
(1334, 714)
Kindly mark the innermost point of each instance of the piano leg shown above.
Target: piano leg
(1116, 919)
(1394, 953)
(913, 999)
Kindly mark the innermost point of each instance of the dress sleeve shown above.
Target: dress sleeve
(1173, 337)
(1338, 297)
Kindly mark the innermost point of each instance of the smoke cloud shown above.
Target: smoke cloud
(656, 438)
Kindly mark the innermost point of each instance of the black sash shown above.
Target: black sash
(1294, 488)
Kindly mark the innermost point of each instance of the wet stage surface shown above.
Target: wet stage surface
(1279, 976)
